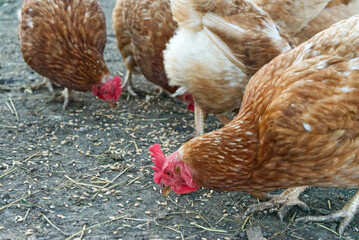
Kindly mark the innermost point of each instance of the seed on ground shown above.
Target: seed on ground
(29, 232)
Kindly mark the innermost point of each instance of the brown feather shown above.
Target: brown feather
(298, 124)
(218, 47)
(64, 41)
(303, 19)
(143, 29)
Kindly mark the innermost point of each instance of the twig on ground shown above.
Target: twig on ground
(8, 105)
(209, 229)
(113, 180)
(52, 224)
(174, 202)
(7, 172)
(96, 225)
(170, 228)
(245, 222)
(5, 126)
(137, 150)
(16, 201)
(177, 231)
(132, 181)
(27, 213)
(82, 184)
(32, 156)
(13, 107)
(83, 232)
(331, 230)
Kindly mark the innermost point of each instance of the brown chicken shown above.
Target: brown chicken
(64, 41)
(298, 126)
(302, 19)
(219, 45)
(143, 28)
(292, 15)
(333, 13)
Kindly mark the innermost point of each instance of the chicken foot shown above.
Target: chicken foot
(65, 96)
(45, 83)
(347, 212)
(285, 200)
(129, 84)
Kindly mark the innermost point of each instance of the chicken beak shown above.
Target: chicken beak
(165, 190)
(112, 104)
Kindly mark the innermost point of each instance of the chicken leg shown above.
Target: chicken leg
(45, 82)
(65, 96)
(198, 119)
(128, 83)
(286, 200)
(347, 212)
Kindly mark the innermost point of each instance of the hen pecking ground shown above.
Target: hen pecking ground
(86, 173)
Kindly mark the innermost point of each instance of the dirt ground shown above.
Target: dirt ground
(86, 173)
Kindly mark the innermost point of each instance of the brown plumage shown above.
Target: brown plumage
(143, 29)
(334, 12)
(298, 117)
(292, 15)
(218, 47)
(64, 41)
(302, 19)
(298, 126)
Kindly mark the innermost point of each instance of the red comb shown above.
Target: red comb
(190, 106)
(159, 159)
(188, 97)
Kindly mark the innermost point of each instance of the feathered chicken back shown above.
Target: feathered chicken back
(298, 124)
(218, 47)
(143, 28)
(64, 41)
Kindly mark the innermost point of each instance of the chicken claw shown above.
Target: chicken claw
(65, 96)
(46, 82)
(286, 200)
(347, 212)
(128, 83)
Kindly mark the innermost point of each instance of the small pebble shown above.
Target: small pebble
(148, 212)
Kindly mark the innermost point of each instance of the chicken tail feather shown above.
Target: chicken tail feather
(226, 50)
